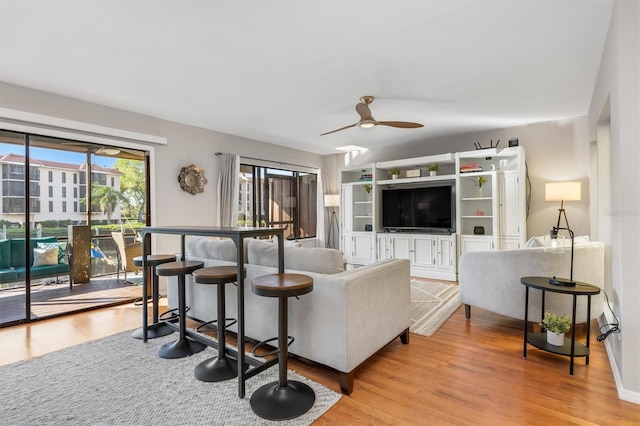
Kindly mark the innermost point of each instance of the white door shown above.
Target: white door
(475, 243)
(384, 247)
(445, 253)
(401, 247)
(347, 207)
(363, 247)
(509, 205)
(424, 251)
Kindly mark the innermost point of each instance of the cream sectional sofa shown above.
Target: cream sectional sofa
(491, 280)
(347, 318)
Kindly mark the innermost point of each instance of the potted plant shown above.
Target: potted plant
(368, 187)
(556, 326)
(479, 181)
(433, 169)
(395, 173)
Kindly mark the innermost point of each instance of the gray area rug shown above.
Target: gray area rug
(431, 305)
(120, 381)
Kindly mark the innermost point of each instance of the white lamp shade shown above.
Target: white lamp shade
(332, 200)
(562, 191)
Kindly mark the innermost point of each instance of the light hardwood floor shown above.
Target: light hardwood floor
(467, 373)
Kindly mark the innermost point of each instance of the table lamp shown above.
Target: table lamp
(332, 201)
(561, 191)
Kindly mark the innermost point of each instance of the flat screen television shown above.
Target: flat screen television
(424, 209)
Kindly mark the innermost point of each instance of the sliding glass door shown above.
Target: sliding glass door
(278, 197)
(52, 188)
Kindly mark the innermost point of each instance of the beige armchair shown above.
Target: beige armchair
(126, 253)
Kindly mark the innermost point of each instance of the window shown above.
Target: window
(75, 192)
(113, 181)
(64, 192)
(50, 176)
(75, 207)
(50, 206)
(64, 207)
(277, 197)
(75, 178)
(51, 192)
(64, 177)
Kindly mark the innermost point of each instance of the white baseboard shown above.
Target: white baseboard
(623, 393)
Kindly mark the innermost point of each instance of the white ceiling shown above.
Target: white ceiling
(284, 71)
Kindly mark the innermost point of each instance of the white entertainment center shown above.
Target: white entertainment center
(493, 218)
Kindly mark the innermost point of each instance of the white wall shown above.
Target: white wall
(185, 145)
(555, 151)
(618, 89)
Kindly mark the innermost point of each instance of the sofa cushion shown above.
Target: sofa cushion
(212, 248)
(320, 260)
(5, 254)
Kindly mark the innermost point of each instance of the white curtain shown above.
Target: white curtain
(228, 189)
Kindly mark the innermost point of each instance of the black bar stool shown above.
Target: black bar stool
(154, 260)
(222, 367)
(284, 399)
(184, 346)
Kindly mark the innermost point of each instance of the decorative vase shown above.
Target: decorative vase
(395, 176)
(479, 191)
(555, 339)
(433, 173)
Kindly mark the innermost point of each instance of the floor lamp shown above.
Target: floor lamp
(331, 201)
(561, 191)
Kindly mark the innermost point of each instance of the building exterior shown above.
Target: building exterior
(56, 190)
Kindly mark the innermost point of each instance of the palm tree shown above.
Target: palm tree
(107, 197)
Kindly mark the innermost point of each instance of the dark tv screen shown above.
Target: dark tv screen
(419, 208)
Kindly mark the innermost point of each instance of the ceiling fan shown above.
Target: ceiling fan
(107, 150)
(367, 120)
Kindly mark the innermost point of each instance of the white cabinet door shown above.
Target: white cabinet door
(475, 243)
(363, 247)
(401, 247)
(509, 243)
(424, 251)
(384, 247)
(346, 207)
(347, 244)
(509, 190)
(446, 253)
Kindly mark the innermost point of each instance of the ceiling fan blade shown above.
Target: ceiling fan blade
(364, 111)
(403, 124)
(342, 128)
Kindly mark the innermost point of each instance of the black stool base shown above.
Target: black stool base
(216, 369)
(273, 402)
(180, 349)
(153, 332)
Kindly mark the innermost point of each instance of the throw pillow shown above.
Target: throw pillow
(61, 246)
(45, 256)
(212, 248)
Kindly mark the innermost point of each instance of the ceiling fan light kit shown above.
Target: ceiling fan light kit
(367, 121)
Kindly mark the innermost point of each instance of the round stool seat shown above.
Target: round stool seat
(155, 259)
(180, 267)
(282, 285)
(216, 275)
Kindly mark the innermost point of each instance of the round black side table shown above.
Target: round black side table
(570, 348)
